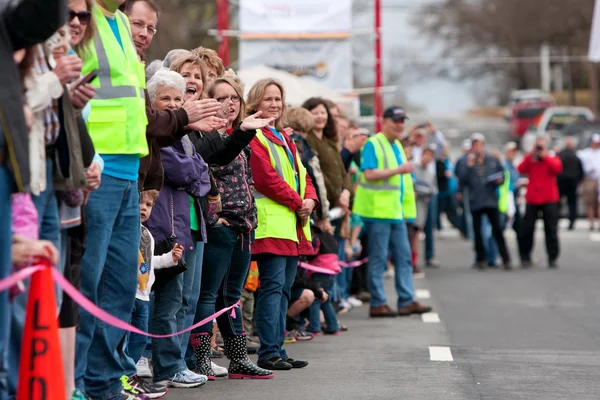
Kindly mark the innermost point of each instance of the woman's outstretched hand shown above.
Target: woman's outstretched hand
(253, 122)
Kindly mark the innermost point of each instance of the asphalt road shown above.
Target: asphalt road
(525, 334)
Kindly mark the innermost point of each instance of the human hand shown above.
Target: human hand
(344, 201)
(93, 176)
(222, 221)
(355, 143)
(307, 208)
(498, 181)
(81, 94)
(459, 196)
(406, 168)
(177, 253)
(325, 297)
(253, 122)
(68, 68)
(29, 117)
(199, 109)
(470, 160)
(208, 124)
(31, 252)
(325, 226)
(288, 131)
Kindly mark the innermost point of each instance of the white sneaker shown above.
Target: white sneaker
(218, 370)
(345, 307)
(354, 302)
(185, 379)
(144, 368)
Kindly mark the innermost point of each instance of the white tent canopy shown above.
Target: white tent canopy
(297, 89)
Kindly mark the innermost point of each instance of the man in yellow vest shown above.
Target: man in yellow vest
(117, 126)
(379, 201)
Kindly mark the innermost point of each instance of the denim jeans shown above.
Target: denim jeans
(383, 238)
(344, 278)
(314, 312)
(191, 291)
(276, 276)
(228, 253)
(166, 352)
(489, 243)
(108, 279)
(6, 188)
(467, 217)
(134, 343)
(430, 221)
(49, 223)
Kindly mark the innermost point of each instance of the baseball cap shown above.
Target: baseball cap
(596, 138)
(395, 113)
(466, 144)
(477, 137)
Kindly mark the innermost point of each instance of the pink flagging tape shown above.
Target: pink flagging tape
(93, 309)
(314, 268)
(354, 264)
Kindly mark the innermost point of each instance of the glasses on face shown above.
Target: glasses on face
(84, 17)
(141, 26)
(234, 99)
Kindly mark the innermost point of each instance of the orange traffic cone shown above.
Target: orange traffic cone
(41, 374)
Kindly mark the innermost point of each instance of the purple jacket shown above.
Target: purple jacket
(184, 176)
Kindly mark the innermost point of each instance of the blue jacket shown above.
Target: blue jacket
(479, 179)
(185, 176)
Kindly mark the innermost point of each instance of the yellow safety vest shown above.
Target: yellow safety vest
(380, 199)
(409, 201)
(504, 190)
(117, 120)
(274, 219)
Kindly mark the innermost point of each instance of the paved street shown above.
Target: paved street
(531, 334)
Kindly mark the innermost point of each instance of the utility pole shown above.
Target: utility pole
(378, 79)
(223, 25)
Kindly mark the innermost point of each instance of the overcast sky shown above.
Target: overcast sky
(438, 97)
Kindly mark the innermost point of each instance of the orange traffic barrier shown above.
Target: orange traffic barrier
(41, 374)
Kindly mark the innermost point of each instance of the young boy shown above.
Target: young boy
(148, 262)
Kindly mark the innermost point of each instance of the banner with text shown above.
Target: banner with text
(325, 62)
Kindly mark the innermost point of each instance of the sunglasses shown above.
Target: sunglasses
(83, 16)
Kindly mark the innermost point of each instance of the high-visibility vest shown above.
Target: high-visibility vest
(117, 120)
(380, 199)
(504, 190)
(274, 219)
(409, 200)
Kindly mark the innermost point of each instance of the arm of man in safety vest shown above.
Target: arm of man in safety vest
(381, 174)
(267, 182)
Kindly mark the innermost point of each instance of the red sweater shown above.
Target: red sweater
(542, 187)
(267, 182)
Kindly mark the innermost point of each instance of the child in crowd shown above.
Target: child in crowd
(303, 294)
(425, 186)
(147, 264)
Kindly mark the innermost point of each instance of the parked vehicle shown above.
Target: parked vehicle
(525, 114)
(552, 121)
(581, 131)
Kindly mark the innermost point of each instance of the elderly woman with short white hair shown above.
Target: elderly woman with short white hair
(176, 218)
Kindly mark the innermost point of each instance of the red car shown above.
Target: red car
(526, 114)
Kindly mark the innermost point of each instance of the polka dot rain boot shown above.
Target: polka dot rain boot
(241, 367)
(201, 344)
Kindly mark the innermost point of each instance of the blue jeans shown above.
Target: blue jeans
(228, 252)
(135, 344)
(6, 188)
(383, 238)
(489, 244)
(276, 276)
(467, 217)
(314, 311)
(189, 305)
(108, 279)
(344, 278)
(166, 352)
(430, 221)
(47, 208)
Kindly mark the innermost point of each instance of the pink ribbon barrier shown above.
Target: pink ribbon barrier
(93, 309)
(314, 268)
(354, 264)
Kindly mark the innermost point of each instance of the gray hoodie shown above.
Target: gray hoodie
(479, 179)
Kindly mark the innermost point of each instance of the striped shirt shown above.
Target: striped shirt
(50, 114)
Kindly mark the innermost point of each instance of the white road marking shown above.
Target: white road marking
(420, 275)
(595, 237)
(440, 353)
(422, 294)
(431, 318)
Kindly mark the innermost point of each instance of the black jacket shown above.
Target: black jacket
(22, 24)
(572, 167)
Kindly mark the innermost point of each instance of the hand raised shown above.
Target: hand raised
(200, 109)
(208, 124)
(254, 121)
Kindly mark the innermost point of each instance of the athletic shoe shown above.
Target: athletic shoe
(129, 393)
(150, 390)
(144, 368)
(289, 339)
(219, 371)
(354, 302)
(185, 379)
(301, 336)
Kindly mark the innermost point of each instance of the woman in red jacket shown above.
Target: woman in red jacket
(285, 198)
(542, 196)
